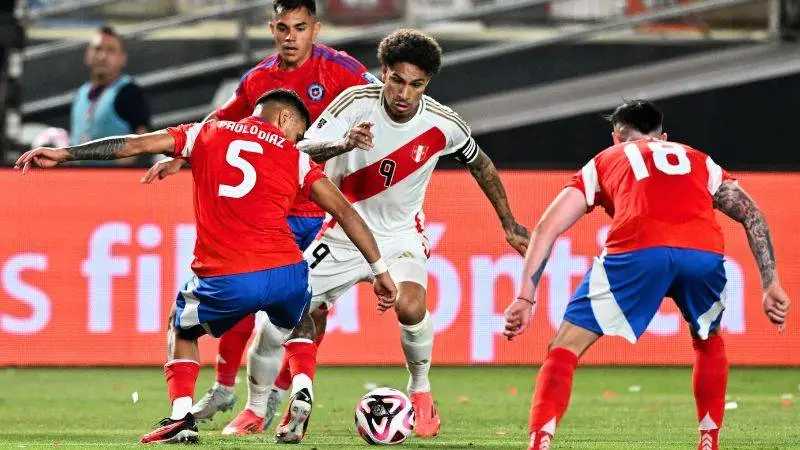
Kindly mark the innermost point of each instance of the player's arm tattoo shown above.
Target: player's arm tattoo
(535, 278)
(537, 275)
(321, 150)
(485, 173)
(101, 149)
(736, 204)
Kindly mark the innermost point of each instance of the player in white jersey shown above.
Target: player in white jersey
(381, 144)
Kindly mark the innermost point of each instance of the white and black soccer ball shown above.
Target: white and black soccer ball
(384, 416)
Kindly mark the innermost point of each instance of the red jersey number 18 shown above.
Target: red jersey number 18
(660, 152)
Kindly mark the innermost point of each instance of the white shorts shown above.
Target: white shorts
(335, 268)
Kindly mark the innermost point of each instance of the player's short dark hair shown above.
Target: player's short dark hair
(641, 115)
(287, 97)
(110, 31)
(411, 46)
(279, 6)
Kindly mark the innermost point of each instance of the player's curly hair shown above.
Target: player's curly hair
(642, 115)
(289, 98)
(411, 46)
(279, 6)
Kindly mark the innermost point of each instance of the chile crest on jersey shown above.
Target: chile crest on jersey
(316, 91)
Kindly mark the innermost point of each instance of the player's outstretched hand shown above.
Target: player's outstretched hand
(385, 290)
(776, 305)
(162, 169)
(518, 317)
(44, 157)
(518, 237)
(360, 136)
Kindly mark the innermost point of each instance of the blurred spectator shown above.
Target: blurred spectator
(110, 103)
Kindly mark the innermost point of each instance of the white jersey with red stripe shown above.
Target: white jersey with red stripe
(387, 183)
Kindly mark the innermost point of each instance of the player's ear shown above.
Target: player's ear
(282, 116)
(615, 138)
(384, 74)
(664, 137)
(316, 29)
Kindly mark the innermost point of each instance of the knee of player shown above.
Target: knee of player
(269, 338)
(572, 345)
(411, 311)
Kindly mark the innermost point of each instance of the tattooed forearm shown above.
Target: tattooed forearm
(736, 204)
(529, 290)
(321, 151)
(537, 276)
(101, 149)
(485, 173)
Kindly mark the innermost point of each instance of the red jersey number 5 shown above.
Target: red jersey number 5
(233, 158)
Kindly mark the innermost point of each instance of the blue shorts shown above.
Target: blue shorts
(621, 293)
(217, 303)
(305, 229)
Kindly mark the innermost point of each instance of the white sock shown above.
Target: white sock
(227, 390)
(417, 341)
(263, 363)
(301, 381)
(181, 407)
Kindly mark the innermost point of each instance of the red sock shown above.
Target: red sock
(181, 377)
(710, 381)
(284, 379)
(302, 357)
(231, 348)
(553, 390)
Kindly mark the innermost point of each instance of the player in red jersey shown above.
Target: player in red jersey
(246, 176)
(664, 241)
(318, 74)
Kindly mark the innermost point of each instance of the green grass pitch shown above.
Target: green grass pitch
(481, 407)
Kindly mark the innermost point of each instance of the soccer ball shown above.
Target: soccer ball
(384, 416)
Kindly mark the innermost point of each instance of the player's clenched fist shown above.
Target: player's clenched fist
(517, 317)
(385, 290)
(776, 305)
(360, 136)
(44, 157)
